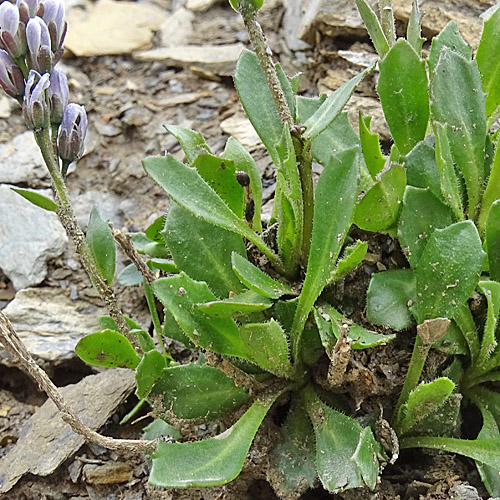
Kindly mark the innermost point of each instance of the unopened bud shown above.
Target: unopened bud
(35, 107)
(11, 77)
(40, 54)
(12, 35)
(58, 93)
(53, 16)
(72, 132)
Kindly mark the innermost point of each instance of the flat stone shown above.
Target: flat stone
(217, 59)
(239, 126)
(29, 236)
(177, 28)
(49, 323)
(22, 163)
(45, 441)
(110, 27)
(200, 5)
(107, 473)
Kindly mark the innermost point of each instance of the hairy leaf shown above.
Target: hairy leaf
(451, 38)
(351, 259)
(493, 240)
(39, 200)
(149, 370)
(373, 27)
(374, 159)
(244, 303)
(191, 142)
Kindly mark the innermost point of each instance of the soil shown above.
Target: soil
(127, 102)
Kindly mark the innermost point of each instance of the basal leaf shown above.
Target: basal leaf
(211, 462)
(491, 193)
(102, 245)
(422, 213)
(380, 206)
(257, 280)
(373, 27)
(389, 297)
(39, 200)
(448, 271)
(457, 100)
(451, 38)
(149, 370)
(192, 142)
(107, 348)
(268, 347)
(402, 88)
(350, 260)
(244, 303)
(198, 391)
(374, 159)
(491, 290)
(180, 295)
(336, 195)
(203, 250)
(493, 240)
(172, 330)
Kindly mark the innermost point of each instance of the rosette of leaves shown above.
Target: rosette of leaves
(438, 192)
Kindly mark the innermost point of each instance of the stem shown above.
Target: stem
(150, 298)
(263, 52)
(387, 20)
(70, 224)
(418, 358)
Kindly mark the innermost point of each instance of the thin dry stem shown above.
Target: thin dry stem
(12, 342)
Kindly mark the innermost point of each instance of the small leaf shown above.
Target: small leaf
(203, 250)
(491, 290)
(493, 240)
(180, 295)
(102, 245)
(402, 88)
(39, 200)
(353, 256)
(268, 347)
(107, 348)
(211, 462)
(414, 29)
(166, 265)
(257, 280)
(379, 207)
(198, 391)
(108, 323)
(448, 271)
(373, 27)
(489, 66)
(370, 144)
(451, 38)
(453, 341)
(145, 341)
(149, 370)
(491, 193)
(153, 232)
(192, 142)
(389, 296)
(172, 330)
(145, 245)
(332, 106)
(292, 464)
(158, 428)
(244, 303)
(422, 213)
(130, 276)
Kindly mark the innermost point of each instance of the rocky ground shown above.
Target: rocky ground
(136, 66)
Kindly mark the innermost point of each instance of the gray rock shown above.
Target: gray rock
(463, 492)
(239, 126)
(29, 236)
(49, 323)
(107, 203)
(291, 24)
(46, 441)
(22, 162)
(177, 28)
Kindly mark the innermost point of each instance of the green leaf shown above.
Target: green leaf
(493, 240)
(424, 400)
(166, 265)
(457, 100)
(370, 144)
(108, 323)
(180, 295)
(389, 296)
(145, 341)
(268, 347)
(198, 391)
(130, 276)
(145, 245)
(158, 428)
(153, 232)
(287, 89)
(336, 195)
(257, 101)
(211, 462)
(489, 66)
(192, 142)
(491, 290)
(187, 188)
(246, 5)
(402, 88)
(414, 29)
(202, 250)
(379, 207)
(39, 200)
(244, 303)
(491, 193)
(107, 348)
(353, 256)
(332, 106)
(243, 161)
(451, 38)
(149, 370)
(448, 271)
(102, 245)
(453, 341)
(257, 280)
(373, 27)
(172, 330)
(422, 213)
(292, 464)
(220, 175)
(346, 454)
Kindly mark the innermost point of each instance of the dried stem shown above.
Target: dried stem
(12, 342)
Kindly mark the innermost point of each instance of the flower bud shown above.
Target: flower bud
(11, 77)
(53, 16)
(35, 107)
(40, 55)
(12, 34)
(28, 9)
(58, 94)
(71, 137)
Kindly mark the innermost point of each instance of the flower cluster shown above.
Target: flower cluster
(32, 34)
